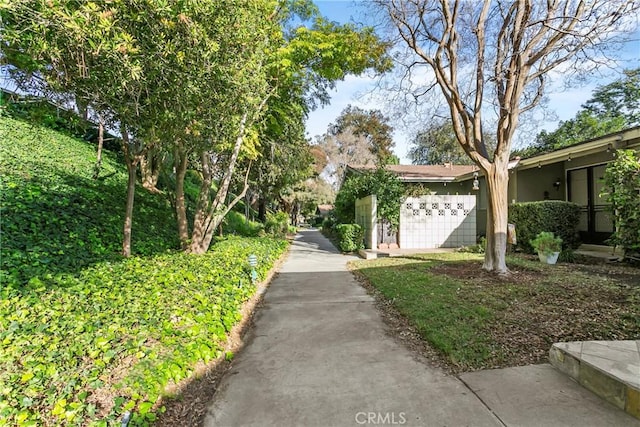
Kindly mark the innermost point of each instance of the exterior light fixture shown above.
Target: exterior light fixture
(253, 262)
(476, 183)
(556, 184)
(569, 158)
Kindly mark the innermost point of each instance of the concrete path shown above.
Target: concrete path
(319, 355)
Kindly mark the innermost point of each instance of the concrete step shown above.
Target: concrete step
(610, 369)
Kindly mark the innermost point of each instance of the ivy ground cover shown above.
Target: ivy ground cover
(85, 335)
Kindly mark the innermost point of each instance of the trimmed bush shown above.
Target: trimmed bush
(350, 237)
(531, 218)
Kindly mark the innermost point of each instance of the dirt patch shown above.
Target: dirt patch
(472, 270)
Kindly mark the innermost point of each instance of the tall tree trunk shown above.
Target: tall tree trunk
(262, 209)
(202, 206)
(83, 108)
(209, 214)
(132, 165)
(150, 165)
(180, 163)
(497, 181)
(98, 166)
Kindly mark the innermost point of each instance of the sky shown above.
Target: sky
(356, 90)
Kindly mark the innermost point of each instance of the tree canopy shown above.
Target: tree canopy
(437, 145)
(611, 108)
(358, 137)
(208, 86)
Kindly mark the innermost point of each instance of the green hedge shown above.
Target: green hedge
(350, 237)
(558, 217)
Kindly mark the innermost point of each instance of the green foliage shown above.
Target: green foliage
(437, 145)
(611, 108)
(55, 217)
(370, 124)
(84, 334)
(277, 224)
(236, 223)
(620, 98)
(350, 237)
(583, 127)
(555, 216)
(622, 184)
(384, 184)
(546, 243)
(329, 223)
(567, 255)
(478, 248)
(125, 330)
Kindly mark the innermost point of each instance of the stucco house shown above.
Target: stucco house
(572, 174)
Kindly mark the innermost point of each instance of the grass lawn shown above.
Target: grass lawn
(476, 320)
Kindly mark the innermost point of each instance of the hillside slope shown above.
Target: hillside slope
(55, 217)
(86, 336)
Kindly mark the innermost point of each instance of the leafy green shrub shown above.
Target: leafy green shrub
(277, 224)
(86, 335)
(567, 255)
(558, 217)
(350, 237)
(478, 248)
(328, 223)
(546, 243)
(622, 181)
(236, 223)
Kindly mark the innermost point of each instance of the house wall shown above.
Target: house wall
(449, 188)
(438, 221)
(466, 188)
(536, 184)
(366, 217)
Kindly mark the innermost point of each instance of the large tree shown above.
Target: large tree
(620, 98)
(370, 124)
(358, 137)
(437, 145)
(499, 54)
(87, 49)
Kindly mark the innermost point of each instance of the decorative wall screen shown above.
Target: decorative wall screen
(438, 221)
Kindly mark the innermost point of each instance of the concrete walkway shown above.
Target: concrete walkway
(319, 355)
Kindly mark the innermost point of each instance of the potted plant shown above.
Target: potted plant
(548, 246)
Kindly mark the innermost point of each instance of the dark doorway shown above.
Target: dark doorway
(584, 187)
